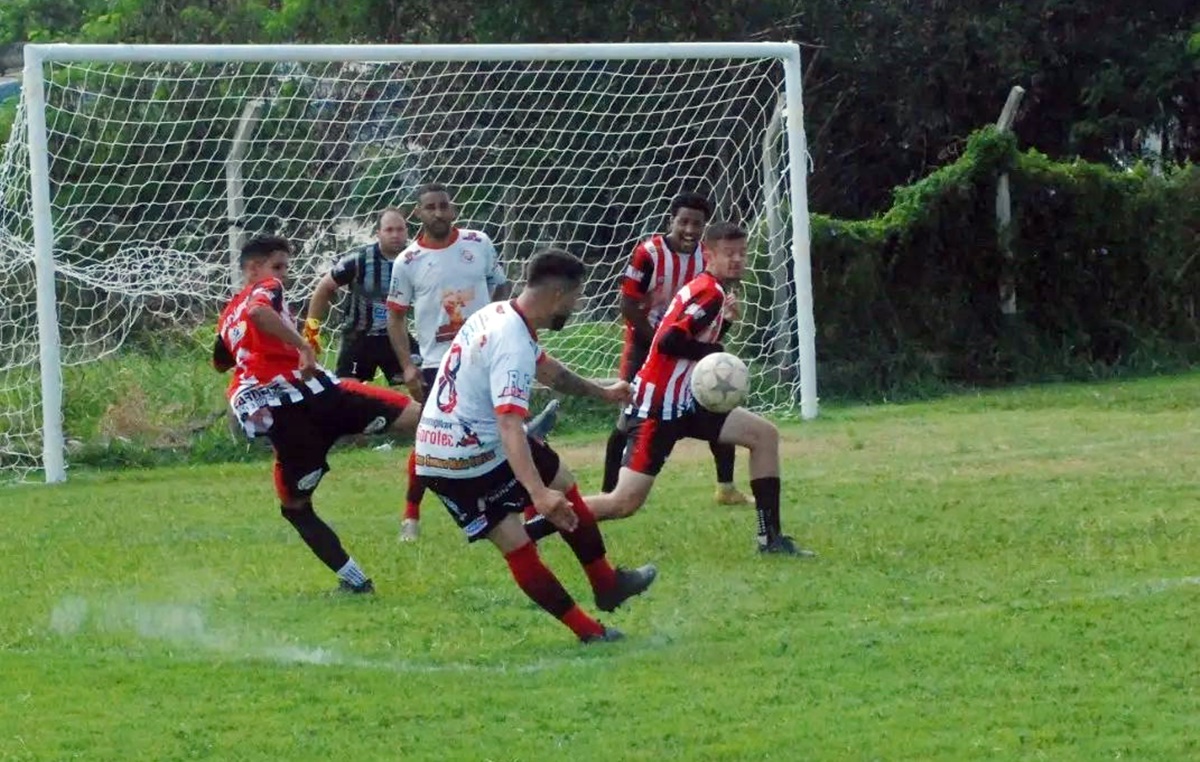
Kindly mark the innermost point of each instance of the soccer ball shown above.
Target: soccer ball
(720, 382)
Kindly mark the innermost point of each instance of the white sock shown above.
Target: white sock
(726, 486)
(351, 573)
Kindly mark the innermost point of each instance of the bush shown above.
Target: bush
(1103, 268)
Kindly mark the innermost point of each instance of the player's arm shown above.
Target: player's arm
(318, 304)
(497, 279)
(550, 503)
(400, 297)
(264, 313)
(635, 287)
(560, 378)
(511, 390)
(222, 358)
(635, 313)
(679, 338)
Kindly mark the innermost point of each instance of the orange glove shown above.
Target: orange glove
(311, 332)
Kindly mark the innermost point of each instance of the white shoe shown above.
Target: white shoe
(410, 530)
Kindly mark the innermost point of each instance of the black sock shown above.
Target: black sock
(539, 527)
(317, 535)
(723, 455)
(613, 452)
(766, 504)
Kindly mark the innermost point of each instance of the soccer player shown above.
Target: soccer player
(280, 391)
(445, 276)
(659, 267)
(663, 411)
(367, 273)
(474, 454)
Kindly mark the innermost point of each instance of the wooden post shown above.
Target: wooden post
(1008, 286)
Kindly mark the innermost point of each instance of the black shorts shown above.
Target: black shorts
(478, 504)
(303, 433)
(650, 441)
(363, 354)
(428, 375)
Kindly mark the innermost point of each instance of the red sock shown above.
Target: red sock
(530, 512)
(581, 624)
(588, 545)
(416, 489)
(544, 589)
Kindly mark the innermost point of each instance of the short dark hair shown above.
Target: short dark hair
(261, 247)
(690, 200)
(725, 231)
(554, 264)
(432, 188)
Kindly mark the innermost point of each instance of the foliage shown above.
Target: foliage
(892, 89)
(1102, 269)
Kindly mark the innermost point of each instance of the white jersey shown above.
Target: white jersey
(488, 371)
(444, 287)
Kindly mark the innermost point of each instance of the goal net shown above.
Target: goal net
(159, 160)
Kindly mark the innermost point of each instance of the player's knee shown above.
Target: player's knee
(626, 504)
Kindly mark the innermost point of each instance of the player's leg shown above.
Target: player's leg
(353, 361)
(611, 586)
(497, 517)
(385, 359)
(410, 522)
(727, 493)
(650, 444)
(301, 446)
(761, 437)
(614, 449)
(632, 358)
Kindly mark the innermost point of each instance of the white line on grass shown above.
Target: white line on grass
(186, 625)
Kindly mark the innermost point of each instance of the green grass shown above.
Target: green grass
(1003, 576)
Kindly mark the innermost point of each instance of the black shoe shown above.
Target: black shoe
(630, 582)
(609, 635)
(365, 588)
(782, 545)
(541, 425)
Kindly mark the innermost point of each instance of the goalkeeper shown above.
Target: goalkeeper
(366, 273)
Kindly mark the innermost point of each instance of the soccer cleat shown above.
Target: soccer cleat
(730, 496)
(543, 423)
(782, 545)
(630, 582)
(365, 588)
(410, 530)
(609, 635)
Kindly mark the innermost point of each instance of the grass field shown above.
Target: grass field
(1008, 576)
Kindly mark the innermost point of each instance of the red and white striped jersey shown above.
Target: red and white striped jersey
(655, 274)
(662, 388)
(266, 369)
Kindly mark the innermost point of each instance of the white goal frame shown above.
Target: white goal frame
(38, 55)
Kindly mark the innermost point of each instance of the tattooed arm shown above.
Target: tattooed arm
(560, 378)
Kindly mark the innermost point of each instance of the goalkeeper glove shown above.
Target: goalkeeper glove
(311, 332)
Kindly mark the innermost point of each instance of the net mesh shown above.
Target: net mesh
(584, 155)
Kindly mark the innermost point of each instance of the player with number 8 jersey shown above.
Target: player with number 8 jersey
(473, 452)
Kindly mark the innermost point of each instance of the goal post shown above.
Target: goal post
(133, 171)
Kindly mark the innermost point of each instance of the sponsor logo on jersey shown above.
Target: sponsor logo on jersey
(309, 481)
(517, 385)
